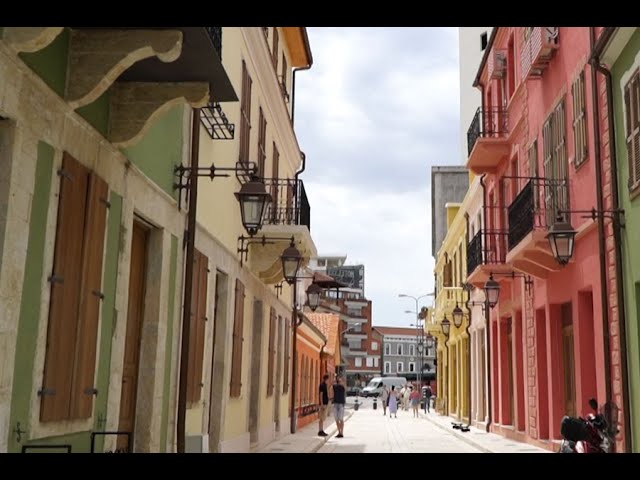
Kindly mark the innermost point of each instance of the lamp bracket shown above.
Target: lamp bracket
(528, 281)
(243, 170)
(614, 214)
(244, 242)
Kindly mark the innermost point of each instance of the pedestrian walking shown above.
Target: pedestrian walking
(405, 397)
(384, 395)
(428, 393)
(393, 402)
(339, 400)
(323, 404)
(414, 398)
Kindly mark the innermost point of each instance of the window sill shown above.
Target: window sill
(578, 166)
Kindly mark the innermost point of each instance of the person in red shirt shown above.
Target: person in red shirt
(414, 398)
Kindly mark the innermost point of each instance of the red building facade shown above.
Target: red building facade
(553, 335)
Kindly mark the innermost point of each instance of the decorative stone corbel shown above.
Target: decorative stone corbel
(136, 105)
(98, 57)
(30, 39)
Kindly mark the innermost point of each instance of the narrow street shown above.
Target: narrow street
(369, 431)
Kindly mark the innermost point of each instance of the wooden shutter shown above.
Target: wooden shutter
(272, 352)
(447, 281)
(579, 119)
(632, 111)
(562, 165)
(238, 326)
(547, 165)
(287, 356)
(274, 52)
(533, 171)
(283, 82)
(262, 136)
(65, 292)
(84, 387)
(197, 331)
(245, 115)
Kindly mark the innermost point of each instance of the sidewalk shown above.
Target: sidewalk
(487, 442)
(306, 439)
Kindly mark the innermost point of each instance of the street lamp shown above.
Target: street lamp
(446, 326)
(313, 296)
(492, 291)
(562, 240)
(291, 260)
(430, 341)
(253, 198)
(458, 314)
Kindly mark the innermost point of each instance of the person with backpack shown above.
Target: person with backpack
(427, 397)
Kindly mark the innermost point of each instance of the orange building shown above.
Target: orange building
(329, 325)
(309, 343)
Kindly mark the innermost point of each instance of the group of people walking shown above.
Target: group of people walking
(404, 397)
(391, 398)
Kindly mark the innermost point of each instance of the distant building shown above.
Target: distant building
(448, 184)
(401, 357)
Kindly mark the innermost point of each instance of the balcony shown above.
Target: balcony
(145, 70)
(530, 215)
(288, 215)
(538, 50)
(487, 139)
(486, 254)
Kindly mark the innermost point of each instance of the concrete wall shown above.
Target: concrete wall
(470, 55)
(448, 184)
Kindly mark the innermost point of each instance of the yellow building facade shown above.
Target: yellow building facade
(453, 353)
(239, 398)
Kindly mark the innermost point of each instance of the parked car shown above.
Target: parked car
(375, 385)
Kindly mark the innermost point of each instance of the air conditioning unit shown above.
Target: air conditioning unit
(538, 51)
(497, 64)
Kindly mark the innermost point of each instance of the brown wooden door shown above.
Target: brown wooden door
(568, 359)
(135, 314)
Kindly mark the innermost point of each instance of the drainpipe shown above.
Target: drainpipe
(466, 217)
(595, 62)
(487, 317)
(601, 233)
(188, 282)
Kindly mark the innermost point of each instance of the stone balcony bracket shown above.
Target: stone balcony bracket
(30, 39)
(135, 106)
(98, 57)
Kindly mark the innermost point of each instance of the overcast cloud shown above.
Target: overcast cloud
(378, 108)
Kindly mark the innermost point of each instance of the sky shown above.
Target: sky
(378, 108)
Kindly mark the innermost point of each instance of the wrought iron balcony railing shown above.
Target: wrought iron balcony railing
(488, 122)
(536, 206)
(487, 247)
(474, 252)
(215, 34)
(289, 205)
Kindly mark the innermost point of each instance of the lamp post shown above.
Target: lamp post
(418, 335)
(446, 329)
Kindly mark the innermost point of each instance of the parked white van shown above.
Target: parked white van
(374, 388)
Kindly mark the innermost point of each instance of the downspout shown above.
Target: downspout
(595, 61)
(188, 282)
(601, 233)
(295, 322)
(487, 317)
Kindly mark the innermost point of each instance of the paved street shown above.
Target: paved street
(368, 431)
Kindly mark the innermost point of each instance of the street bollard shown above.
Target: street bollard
(375, 403)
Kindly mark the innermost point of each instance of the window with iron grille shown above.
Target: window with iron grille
(262, 136)
(580, 139)
(554, 135)
(245, 115)
(632, 120)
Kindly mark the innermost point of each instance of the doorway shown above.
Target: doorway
(135, 315)
(568, 359)
(510, 371)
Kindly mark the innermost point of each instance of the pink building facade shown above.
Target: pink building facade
(552, 335)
